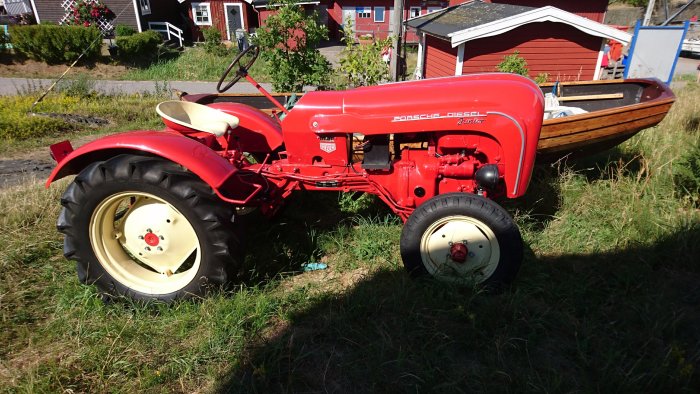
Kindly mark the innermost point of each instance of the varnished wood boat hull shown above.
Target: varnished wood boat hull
(598, 131)
(605, 128)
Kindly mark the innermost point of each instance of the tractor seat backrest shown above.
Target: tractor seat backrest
(188, 117)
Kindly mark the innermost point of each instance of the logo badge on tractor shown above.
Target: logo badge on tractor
(328, 147)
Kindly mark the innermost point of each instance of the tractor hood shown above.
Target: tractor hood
(418, 106)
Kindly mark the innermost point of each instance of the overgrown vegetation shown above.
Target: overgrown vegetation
(19, 129)
(687, 174)
(56, 44)
(607, 300)
(194, 64)
(288, 43)
(363, 65)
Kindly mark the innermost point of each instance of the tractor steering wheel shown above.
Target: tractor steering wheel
(242, 69)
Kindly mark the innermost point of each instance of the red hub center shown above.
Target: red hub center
(151, 239)
(458, 252)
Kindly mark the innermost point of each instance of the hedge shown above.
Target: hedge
(56, 44)
(140, 46)
(124, 30)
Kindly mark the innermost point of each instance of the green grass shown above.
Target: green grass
(194, 64)
(607, 299)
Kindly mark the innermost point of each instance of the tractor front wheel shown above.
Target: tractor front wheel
(145, 228)
(462, 238)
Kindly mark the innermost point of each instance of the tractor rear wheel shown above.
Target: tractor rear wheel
(464, 238)
(146, 228)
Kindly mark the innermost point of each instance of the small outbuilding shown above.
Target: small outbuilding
(475, 36)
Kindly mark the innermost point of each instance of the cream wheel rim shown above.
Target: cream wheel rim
(144, 243)
(444, 241)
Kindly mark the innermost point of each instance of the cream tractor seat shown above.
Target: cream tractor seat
(196, 117)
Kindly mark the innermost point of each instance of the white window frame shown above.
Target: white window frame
(364, 12)
(195, 7)
(433, 9)
(411, 12)
(379, 11)
(145, 6)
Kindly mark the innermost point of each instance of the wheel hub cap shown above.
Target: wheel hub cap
(458, 252)
(459, 247)
(151, 239)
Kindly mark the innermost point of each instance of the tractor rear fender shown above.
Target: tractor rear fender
(197, 158)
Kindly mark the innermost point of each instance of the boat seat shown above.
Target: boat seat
(195, 117)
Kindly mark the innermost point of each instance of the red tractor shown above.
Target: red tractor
(151, 214)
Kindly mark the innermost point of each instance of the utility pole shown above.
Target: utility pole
(397, 27)
(647, 15)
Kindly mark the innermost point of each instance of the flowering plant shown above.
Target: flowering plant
(88, 12)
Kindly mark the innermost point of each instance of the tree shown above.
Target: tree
(363, 65)
(288, 43)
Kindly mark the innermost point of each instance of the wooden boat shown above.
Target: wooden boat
(616, 110)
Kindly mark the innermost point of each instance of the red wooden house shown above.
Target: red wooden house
(368, 17)
(475, 36)
(225, 15)
(375, 17)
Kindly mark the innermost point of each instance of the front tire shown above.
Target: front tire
(146, 228)
(464, 238)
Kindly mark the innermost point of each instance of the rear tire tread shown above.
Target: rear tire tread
(213, 215)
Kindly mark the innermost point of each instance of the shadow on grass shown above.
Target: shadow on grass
(625, 321)
(284, 243)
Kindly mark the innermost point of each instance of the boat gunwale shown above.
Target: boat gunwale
(611, 111)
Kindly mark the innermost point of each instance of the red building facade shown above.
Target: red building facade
(560, 44)
(227, 16)
(374, 17)
(564, 53)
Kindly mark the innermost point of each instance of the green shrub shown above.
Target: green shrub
(4, 40)
(140, 47)
(56, 44)
(513, 64)
(212, 42)
(124, 30)
(363, 64)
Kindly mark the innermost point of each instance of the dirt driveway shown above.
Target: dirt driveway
(32, 166)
